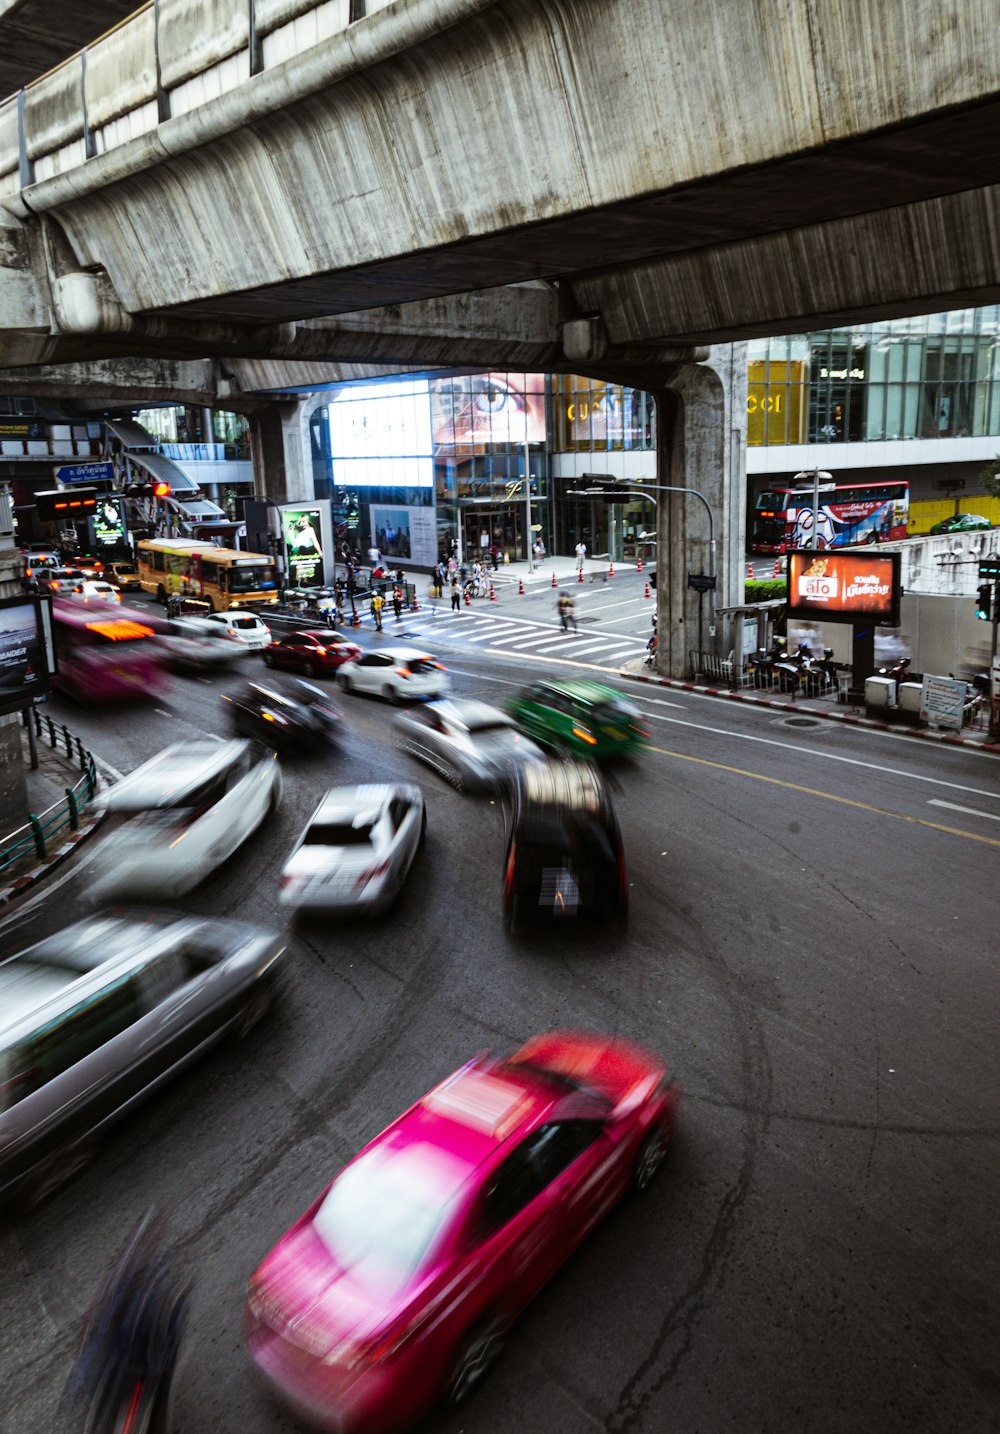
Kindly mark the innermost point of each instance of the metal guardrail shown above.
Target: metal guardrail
(34, 839)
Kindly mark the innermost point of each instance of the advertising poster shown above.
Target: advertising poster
(25, 654)
(302, 530)
(109, 525)
(942, 702)
(405, 534)
(477, 413)
(844, 587)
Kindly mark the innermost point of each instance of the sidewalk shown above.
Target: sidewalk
(824, 707)
(46, 787)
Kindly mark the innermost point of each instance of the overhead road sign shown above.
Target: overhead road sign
(85, 473)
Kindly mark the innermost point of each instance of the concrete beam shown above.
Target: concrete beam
(446, 146)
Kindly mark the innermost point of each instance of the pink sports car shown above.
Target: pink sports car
(397, 1286)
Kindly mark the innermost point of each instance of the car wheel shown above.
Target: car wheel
(253, 1010)
(344, 682)
(390, 694)
(268, 659)
(309, 669)
(652, 1154)
(161, 593)
(476, 1355)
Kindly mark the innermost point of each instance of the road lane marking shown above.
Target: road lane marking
(826, 796)
(813, 752)
(970, 811)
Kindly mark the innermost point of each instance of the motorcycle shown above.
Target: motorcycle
(897, 671)
(129, 1344)
(819, 675)
(775, 666)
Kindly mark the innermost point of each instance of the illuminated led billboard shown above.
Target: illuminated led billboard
(844, 586)
(380, 435)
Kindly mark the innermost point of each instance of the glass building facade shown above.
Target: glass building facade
(460, 447)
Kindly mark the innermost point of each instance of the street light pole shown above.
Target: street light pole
(527, 507)
(828, 483)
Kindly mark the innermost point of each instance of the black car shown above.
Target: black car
(293, 717)
(564, 859)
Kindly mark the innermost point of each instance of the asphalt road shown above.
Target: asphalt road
(812, 948)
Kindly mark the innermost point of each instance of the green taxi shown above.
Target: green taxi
(587, 719)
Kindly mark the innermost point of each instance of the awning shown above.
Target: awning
(131, 434)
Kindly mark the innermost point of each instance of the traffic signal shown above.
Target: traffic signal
(984, 601)
(61, 503)
(159, 489)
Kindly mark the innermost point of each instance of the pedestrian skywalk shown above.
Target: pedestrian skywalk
(489, 632)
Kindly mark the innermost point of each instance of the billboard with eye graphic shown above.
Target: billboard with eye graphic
(844, 587)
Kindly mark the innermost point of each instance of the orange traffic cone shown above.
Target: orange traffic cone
(520, 587)
(648, 592)
(580, 577)
(554, 583)
(638, 565)
(414, 606)
(611, 570)
(468, 599)
(493, 594)
(777, 568)
(749, 571)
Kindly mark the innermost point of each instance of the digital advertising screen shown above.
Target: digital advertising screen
(405, 533)
(844, 587)
(304, 530)
(380, 435)
(26, 652)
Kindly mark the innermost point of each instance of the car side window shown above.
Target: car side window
(536, 1162)
(74, 1034)
(557, 701)
(397, 813)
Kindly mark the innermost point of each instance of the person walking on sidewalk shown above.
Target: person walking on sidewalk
(581, 553)
(456, 596)
(377, 604)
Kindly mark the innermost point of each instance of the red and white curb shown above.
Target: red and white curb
(951, 739)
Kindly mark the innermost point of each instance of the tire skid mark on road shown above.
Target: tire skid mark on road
(674, 1338)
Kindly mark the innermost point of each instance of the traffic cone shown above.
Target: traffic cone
(493, 593)
(611, 570)
(648, 592)
(554, 583)
(520, 587)
(580, 576)
(749, 572)
(414, 606)
(468, 599)
(777, 568)
(638, 565)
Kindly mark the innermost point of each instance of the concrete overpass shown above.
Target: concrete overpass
(603, 184)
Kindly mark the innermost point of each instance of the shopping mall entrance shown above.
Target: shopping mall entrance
(501, 523)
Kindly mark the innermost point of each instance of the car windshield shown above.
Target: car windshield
(123, 568)
(616, 712)
(380, 1216)
(244, 622)
(250, 579)
(337, 834)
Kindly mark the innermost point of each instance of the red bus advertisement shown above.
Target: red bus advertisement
(106, 653)
(848, 514)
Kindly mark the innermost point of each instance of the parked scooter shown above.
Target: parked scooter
(776, 667)
(897, 671)
(819, 675)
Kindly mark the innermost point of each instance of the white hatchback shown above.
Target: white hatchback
(398, 674)
(185, 811)
(245, 625)
(91, 588)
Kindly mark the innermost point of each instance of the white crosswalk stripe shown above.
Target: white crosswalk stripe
(490, 632)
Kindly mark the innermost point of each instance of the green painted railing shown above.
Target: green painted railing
(35, 838)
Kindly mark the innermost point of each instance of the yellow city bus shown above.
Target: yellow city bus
(220, 577)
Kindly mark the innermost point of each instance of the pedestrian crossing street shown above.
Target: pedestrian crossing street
(488, 632)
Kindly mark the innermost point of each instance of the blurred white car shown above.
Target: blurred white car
(474, 746)
(245, 625)
(91, 588)
(398, 674)
(185, 811)
(192, 644)
(356, 851)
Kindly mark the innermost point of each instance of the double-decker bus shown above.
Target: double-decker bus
(219, 577)
(849, 513)
(106, 653)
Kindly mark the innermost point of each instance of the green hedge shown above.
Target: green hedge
(764, 589)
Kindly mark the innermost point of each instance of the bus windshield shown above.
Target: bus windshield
(251, 579)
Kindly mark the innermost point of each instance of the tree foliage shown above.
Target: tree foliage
(990, 478)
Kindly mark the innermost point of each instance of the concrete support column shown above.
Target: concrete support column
(279, 447)
(700, 444)
(13, 788)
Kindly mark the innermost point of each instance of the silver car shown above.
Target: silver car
(474, 746)
(185, 811)
(356, 851)
(95, 1018)
(195, 644)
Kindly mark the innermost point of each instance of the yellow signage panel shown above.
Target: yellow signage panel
(776, 394)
